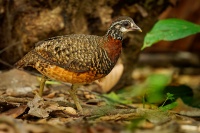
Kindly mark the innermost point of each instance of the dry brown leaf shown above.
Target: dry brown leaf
(42, 109)
(155, 116)
(37, 107)
(118, 117)
(186, 110)
(51, 95)
(69, 110)
(88, 95)
(112, 78)
(16, 111)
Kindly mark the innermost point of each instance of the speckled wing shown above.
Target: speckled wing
(75, 53)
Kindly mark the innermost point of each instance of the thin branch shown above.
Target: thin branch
(4, 49)
(6, 64)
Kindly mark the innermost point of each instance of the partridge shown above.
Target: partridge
(77, 58)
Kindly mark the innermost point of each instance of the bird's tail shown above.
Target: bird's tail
(25, 61)
(21, 63)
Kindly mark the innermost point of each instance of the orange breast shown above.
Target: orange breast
(60, 74)
(113, 48)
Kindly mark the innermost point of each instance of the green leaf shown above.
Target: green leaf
(158, 81)
(170, 30)
(155, 85)
(170, 96)
(168, 106)
(116, 98)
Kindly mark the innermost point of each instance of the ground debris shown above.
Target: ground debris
(15, 112)
(155, 116)
(55, 112)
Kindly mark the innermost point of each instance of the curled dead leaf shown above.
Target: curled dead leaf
(112, 78)
(69, 110)
(36, 107)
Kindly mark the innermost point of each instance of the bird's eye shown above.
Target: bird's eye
(126, 24)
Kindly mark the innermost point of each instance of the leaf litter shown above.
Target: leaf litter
(24, 111)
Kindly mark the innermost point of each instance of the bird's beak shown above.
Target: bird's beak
(136, 28)
(140, 30)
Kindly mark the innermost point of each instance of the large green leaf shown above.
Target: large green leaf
(170, 30)
(155, 85)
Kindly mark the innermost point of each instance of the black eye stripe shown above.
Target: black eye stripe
(126, 23)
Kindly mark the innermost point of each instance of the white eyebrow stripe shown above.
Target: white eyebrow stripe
(119, 22)
(131, 24)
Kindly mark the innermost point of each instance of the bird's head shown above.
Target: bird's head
(122, 25)
(125, 24)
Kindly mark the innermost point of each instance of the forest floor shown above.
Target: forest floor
(23, 111)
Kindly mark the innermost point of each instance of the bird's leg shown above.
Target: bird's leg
(72, 92)
(42, 83)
